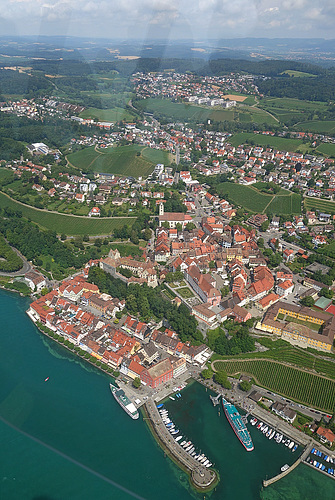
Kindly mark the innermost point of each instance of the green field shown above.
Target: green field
(297, 74)
(327, 149)
(133, 160)
(307, 388)
(280, 143)
(107, 115)
(189, 112)
(67, 224)
(292, 110)
(318, 126)
(319, 204)
(252, 199)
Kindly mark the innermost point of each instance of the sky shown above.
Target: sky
(169, 19)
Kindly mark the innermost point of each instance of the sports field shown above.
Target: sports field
(132, 160)
(68, 224)
(299, 385)
(251, 199)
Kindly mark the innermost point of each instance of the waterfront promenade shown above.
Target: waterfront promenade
(202, 477)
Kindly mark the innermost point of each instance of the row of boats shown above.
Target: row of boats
(323, 456)
(272, 434)
(183, 442)
(321, 466)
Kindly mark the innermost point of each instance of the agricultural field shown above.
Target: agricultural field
(319, 204)
(255, 201)
(68, 224)
(189, 112)
(318, 126)
(107, 115)
(301, 386)
(266, 141)
(327, 149)
(293, 110)
(132, 160)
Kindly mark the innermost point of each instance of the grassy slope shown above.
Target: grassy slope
(67, 224)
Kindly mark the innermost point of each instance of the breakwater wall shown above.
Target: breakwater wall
(203, 478)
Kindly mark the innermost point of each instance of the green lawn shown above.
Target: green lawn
(67, 224)
(133, 160)
(307, 388)
(185, 292)
(107, 115)
(280, 143)
(252, 199)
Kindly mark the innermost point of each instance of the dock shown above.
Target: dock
(302, 458)
(203, 478)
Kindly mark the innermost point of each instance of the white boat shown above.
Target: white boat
(280, 438)
(182, 444)
(265, 429)
(285, 467)
(209, 464)
(287, 442)
(179, 438)
(206, 462)
(291, 445)
(173, 399)
(272, 434)
(268, 433)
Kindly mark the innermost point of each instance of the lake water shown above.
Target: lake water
(68, 439)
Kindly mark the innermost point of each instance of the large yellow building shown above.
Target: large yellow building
(276, 321)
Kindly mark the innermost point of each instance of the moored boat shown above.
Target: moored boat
(237, 424)
(124, 402)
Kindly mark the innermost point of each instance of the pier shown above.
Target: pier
(203, 478)
(303, 456)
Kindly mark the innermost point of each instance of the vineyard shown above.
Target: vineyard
(307, 388)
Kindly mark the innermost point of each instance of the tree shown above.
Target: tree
(224, 290)
(326, 292)
(137, 382)
(222, 379)
(211, 264)
(147, 234)
(265, 226)
(207, 374)
(245, 386)
(63, 236)
(307, 301)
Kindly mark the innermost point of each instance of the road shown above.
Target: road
(26, 268)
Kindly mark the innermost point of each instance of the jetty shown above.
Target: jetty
(302, 458)
(203, 478)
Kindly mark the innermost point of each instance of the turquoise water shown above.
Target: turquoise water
(68, 439)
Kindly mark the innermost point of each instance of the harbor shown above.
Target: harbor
(202, 477)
